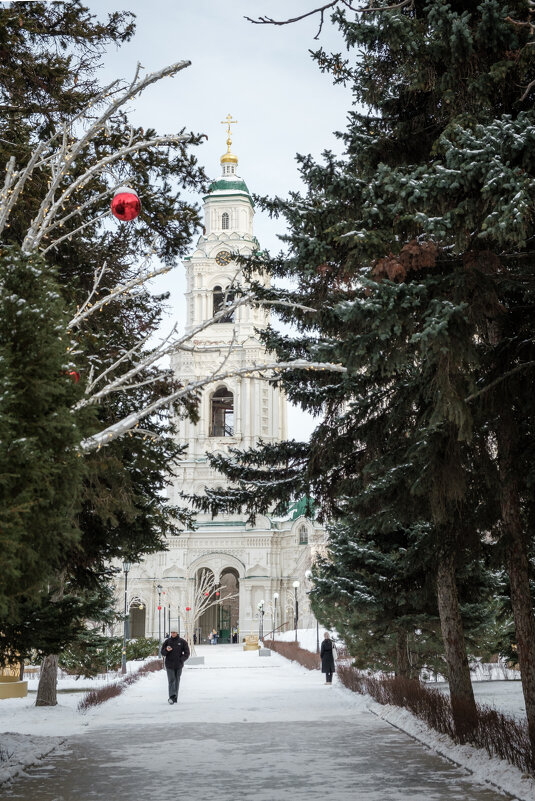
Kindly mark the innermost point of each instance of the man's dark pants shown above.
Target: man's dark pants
(173, 677)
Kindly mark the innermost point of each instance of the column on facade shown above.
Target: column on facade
(238, 408)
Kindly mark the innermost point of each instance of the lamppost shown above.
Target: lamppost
(308, 575)
(159, 588)
(261, 620)
(275, 596)
(126, 568)
(296, 607)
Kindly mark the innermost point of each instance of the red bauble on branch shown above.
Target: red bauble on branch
(125, 204)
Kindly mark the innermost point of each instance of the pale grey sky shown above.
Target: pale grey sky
(263, 75)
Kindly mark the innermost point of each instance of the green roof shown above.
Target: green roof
(300, 508)
(226, 185)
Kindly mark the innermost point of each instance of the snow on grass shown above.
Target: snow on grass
(20, 751)
(496, 772)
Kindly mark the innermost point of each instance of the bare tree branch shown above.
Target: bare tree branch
(322, 9)
(116, 430)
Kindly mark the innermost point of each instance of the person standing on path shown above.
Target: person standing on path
(327, 658)
(176, 651)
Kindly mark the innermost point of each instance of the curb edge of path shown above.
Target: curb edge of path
(448, 758)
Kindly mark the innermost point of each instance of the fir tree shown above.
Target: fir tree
(416, 252)
(120, 509)
(41, 471)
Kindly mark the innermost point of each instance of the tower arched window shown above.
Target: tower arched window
(222, 413)
(225, 221)
(221, 298)
(303, 535)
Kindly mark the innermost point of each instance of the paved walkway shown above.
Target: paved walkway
(246, 727)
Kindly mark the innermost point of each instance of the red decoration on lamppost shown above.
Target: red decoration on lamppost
(188, 608)
(159, 608)
(125, 204)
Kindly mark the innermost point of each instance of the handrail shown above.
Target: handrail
(286, 623)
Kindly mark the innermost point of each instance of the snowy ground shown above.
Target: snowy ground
(246, 726)
(494, 685)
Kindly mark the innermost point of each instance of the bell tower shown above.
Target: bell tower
(240, 410)
(251, 563)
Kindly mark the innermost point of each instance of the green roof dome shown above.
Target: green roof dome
(233, 184)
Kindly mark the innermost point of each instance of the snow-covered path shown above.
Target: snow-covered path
(245, 727)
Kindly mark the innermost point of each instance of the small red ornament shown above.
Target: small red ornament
(188, 608)
(217, 595)
(159, 607)
(125, 204)
(74, 375)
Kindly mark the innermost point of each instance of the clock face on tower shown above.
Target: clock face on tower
(223, 258)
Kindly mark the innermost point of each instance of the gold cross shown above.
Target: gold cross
(228, 122)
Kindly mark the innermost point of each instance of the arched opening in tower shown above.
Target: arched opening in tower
(222, 413)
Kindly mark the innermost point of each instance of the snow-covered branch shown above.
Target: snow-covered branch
(120, 289)
(118, 429)
(66, 149)
(154, 355)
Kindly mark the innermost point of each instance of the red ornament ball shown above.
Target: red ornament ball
(74, 375)
(125, 204)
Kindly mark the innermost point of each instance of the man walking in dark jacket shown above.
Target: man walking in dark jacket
(176, 651)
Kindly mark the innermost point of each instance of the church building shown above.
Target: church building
(259, 570)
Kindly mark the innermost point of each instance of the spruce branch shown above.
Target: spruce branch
(503, 377)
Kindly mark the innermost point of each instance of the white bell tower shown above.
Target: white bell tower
(240, 410)
(252, 564)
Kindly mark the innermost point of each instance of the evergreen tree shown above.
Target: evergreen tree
(41, 472)
(416, 252)
(121, 511)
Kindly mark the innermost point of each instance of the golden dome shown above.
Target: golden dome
(228, 157)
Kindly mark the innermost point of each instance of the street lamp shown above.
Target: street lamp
(126, 568)
(159, 588)
(275, 596)
(261, 620)
(296, 607)
(308, 575)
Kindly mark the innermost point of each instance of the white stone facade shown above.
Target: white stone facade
(257, 561)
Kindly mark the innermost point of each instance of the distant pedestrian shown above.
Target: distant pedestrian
(213, 637)
(327, 658)
(176, 651)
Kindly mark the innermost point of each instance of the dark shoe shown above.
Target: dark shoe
(174, 700)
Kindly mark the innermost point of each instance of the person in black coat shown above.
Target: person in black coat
(327, 658)
(176, 651)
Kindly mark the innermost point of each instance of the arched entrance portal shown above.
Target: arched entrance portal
(230, 605)
(223, 612)
(137, 620)
(205, 583)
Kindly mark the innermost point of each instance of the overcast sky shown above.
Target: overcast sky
(261, 74)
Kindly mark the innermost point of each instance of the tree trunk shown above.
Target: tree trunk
(518, 569)
(461, 691)
(402, 658)
(47, 690)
